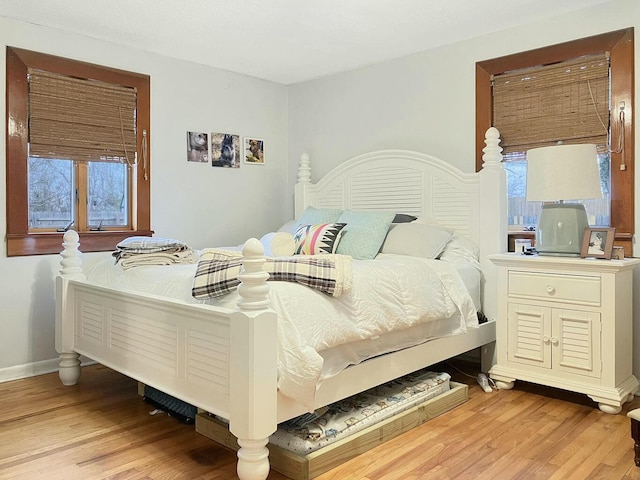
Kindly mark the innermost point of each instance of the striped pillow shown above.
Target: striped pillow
(318, 239)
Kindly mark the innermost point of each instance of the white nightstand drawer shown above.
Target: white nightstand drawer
(557, 287)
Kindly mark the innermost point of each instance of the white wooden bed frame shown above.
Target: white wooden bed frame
(224, 361)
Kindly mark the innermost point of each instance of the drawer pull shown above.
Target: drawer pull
(545, 339)
(551, 289)
(554, 340)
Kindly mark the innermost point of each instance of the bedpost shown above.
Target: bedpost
(70, 269)
(493, 230)
(254, 374)
(304, 182)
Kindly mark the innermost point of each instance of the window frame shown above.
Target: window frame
(620, 45)
(20, 241)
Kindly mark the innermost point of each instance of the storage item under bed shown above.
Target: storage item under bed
(304, 435)
(183, 411)
(302, 450)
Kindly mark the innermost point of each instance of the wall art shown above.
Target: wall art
(253, 151)
(197, 147)
(225, 150)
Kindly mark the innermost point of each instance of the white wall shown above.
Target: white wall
(426, 101)
(197, 203)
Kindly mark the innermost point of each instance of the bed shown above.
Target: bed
(224, 360)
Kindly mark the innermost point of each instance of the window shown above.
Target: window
(536, 107)
(617, 168)
(77, 156)
(525, 214)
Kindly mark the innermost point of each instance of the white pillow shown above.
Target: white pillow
(278, 244)
(431, 221)
(288, 227)
(417, 240)
(460, 249)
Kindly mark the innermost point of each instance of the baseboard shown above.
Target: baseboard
(35, 368)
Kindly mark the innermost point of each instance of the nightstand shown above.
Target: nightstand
(567, 323)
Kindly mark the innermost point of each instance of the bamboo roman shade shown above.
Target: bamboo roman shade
(567, 101)
(78, 119)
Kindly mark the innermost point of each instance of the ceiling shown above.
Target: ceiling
(285, 41)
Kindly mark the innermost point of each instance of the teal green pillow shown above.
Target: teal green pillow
(364, 234)
(315, 216)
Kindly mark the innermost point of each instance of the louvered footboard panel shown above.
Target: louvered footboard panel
(182, 350)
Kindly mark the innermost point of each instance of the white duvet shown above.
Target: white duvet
(392, 292)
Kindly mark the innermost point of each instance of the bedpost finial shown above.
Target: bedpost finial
(71, 263)
(253, 288)
(304, 169)
(71, 236)
(492, 151)
(252, 248)
(492, 132)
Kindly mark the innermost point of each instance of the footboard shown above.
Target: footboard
(221, 360)
(184, 350)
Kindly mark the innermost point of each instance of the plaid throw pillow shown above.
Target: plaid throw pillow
(318, 239)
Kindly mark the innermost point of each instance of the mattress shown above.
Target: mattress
(396, 302)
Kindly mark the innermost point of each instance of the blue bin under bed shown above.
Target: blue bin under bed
(182, 411)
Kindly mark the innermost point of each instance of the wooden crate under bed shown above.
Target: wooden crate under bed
(306, 467)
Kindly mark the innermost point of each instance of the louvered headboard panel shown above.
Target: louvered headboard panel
(474, 204)
(397, 180)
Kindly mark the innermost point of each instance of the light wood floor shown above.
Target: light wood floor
(101, 429)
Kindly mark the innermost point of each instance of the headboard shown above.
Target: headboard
(397, 180)
(474, 204)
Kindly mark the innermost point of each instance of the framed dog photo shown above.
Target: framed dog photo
(598, 242)
(225, 150)
(253, 150)
(197, 147)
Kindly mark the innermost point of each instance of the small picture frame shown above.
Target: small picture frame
(225, 150)
(618, 253)
(253, 151)
(197, 147)
(598, 242)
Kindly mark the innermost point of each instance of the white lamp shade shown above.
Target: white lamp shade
(563, 172)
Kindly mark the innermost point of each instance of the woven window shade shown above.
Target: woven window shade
(77, 119)
(567, 101)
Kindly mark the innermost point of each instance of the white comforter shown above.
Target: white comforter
(389, 293)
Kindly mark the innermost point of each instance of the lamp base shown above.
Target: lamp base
(560, 229)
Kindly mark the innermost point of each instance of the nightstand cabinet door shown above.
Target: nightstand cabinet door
(529, 330)
(558, 339)
(575, 342)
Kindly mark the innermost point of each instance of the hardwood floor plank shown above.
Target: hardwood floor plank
(101, 430)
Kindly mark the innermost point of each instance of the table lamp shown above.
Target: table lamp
(556, 174)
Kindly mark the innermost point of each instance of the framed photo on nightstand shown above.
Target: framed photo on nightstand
(598, 242)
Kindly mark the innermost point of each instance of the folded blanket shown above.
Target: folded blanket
(150, 245)
(160, 258)
(218, 271)
(141, 251)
